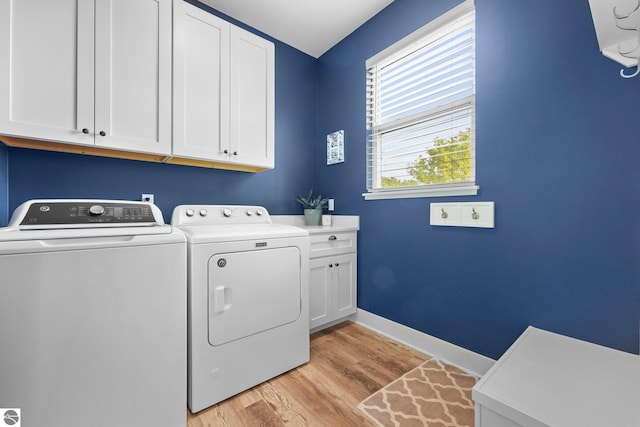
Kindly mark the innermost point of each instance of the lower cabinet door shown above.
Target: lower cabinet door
(332, 288)
(344, 285)
(319, 292)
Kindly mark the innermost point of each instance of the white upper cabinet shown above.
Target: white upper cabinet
(252, 99)
(224, 91)
(133, 75)
(201, 89)
(101, 73)
(94, 72)
(44, 46)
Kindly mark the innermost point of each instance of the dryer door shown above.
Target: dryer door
(252, 291)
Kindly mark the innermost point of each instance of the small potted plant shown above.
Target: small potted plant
(312, 205)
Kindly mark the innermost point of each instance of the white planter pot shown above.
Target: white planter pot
(313, 216)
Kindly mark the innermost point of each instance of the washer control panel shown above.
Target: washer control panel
(94, 213)
(219, 215)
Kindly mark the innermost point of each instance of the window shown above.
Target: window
(421, 111)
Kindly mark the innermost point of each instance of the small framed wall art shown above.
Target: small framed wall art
(335, 147)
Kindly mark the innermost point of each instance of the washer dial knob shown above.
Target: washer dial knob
(96, 210)
(203, 212)
(227, 212)
(190, 212)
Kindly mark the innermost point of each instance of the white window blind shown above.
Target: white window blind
(421, 111)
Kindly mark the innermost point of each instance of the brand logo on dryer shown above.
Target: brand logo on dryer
(261, 244)
(222, 262)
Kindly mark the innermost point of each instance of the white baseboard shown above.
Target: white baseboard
(470, 362)
(351, 317)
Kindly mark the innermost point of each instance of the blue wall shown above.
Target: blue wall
(40, 174)
(557, 150)
(4, 185)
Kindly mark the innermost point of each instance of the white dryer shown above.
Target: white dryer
(248, 318)
(93, 315)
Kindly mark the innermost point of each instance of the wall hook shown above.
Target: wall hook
(625, 15)
(628, 76)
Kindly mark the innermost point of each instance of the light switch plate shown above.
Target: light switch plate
(464, 214)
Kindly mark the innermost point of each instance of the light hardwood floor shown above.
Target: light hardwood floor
(348, 363)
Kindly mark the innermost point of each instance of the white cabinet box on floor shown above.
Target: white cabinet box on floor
(550, 380)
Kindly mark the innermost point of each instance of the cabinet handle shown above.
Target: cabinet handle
(226, 151)
(235, 153)
(85, 131)
(337, 265)
(330, 265)
(102, 133)
(333, 238)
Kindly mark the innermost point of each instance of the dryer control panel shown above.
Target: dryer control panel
(219, 215)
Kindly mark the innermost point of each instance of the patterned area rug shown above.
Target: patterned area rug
(432, 395)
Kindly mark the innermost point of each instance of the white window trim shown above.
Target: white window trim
(389, 55)
(465, 189)
(413, 38)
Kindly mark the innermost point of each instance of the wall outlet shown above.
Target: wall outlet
(147, 198)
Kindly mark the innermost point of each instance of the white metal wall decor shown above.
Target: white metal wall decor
(335, 147)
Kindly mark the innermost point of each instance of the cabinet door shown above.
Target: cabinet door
(344, 285)
(200, 84)
(46, 69)
(252, 99)
(133, 75)
(319, 292)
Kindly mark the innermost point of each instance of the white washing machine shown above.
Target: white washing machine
(248, 308)
(92, 315)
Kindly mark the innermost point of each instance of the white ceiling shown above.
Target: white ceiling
(312, 26)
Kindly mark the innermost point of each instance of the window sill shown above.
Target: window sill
(444, 191)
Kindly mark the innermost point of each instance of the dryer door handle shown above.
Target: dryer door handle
(220, 296)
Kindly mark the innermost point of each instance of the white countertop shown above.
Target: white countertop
(339, 223)
(553, 380)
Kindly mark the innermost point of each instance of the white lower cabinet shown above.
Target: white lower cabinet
(332, 278)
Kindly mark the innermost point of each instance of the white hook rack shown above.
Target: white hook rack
(463, 214)
(627, 22)
(617, 24)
